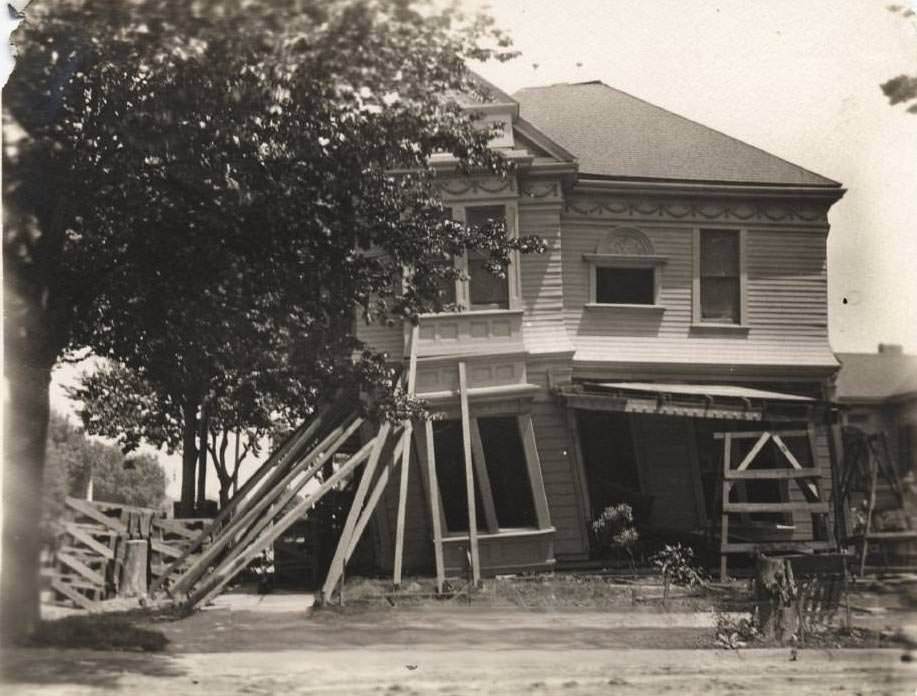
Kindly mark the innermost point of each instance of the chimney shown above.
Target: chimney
(890, 349)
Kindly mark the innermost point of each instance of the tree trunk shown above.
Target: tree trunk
(26, 421)
(202, 461)
(188, 461)
(775, 599)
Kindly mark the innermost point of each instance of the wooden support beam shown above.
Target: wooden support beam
(724, 520)
(749, 434)
(787, 547)
(469, 477)
(336, 568)
(772, 474)
(373, 500)
(70, 593)
(533, 464)
(435, 507)
(215, 582)
(82, 569)
(781, 445)
(750, 457)
(86, 539)
(274, 464)
(290, 491)
(241, 522)
(87, 509)
(402, 503)
(817, 508)
(480, 468)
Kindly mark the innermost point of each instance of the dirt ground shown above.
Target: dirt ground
(277, 644)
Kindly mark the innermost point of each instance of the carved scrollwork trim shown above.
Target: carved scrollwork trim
(740, 210)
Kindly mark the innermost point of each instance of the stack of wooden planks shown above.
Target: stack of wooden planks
(93, 546)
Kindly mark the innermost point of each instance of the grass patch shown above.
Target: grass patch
(98, 632)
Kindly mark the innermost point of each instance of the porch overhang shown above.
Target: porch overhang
(727, 402)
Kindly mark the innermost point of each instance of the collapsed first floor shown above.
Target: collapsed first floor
(723, 466)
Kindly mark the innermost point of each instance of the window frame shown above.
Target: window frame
(651, 262)
(491, 526)
(513, 281)
(698, 322)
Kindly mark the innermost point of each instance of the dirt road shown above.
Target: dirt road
(282, 649)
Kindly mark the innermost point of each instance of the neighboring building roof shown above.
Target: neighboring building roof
(615, 135)
(876, 376)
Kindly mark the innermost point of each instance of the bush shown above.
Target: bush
(677, 565)
(614, 529)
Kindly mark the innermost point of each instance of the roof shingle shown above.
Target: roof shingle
(615, 135)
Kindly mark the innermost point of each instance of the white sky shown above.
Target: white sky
(798, 78)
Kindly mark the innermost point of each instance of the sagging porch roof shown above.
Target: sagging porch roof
(721, 401)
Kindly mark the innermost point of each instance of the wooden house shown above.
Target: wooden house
(879, 394)
(670, 344)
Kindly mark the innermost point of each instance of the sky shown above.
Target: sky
(798, 78)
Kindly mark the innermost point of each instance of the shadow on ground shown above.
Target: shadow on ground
(31, 667)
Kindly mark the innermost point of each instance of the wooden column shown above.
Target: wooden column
(435, 512)
(724, 522)
(469, 477)
(405, 462)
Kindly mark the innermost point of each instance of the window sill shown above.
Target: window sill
(712, 327)
(650, 308)
(471, 312)
(507, 533)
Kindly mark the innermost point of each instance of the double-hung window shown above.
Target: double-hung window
(486, 290)
(719, 277)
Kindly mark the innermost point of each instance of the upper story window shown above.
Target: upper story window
(625, 271)
(719, 277)
(486, 290)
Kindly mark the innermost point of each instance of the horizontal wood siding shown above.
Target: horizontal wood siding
(381, 338)
(555, 450)
(786, 302)
(542, 281)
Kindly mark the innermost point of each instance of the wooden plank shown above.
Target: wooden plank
(86, 539)
(781, 445)
(336, 568)
(469, 476)
(749, 434)
(84, 507)
(275, 465)
(724, 520)
(81, 568)
(79, 599)
(776, 474)
(165, 549)
(215, 582)
(290, 492)
(238, 524)
(815, 508)
(480, 468)
(402, 502)
(435, 510)
(533, 462)
(750, 457)
(373, 500)
(787, 546)
(172, 527)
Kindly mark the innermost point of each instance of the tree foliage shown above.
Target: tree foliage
(902, 89)
(74, 459)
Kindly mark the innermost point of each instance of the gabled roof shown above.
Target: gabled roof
(875, 376)
(615, 135)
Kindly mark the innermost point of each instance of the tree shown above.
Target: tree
(903, 88)
(197, 202)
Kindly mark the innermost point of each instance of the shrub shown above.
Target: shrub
(614, 528)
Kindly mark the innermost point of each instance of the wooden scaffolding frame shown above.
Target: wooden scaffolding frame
(807, 479)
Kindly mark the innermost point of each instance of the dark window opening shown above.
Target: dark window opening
(504, 455)
(625, 285)
(610, 462)
(446, 286)
(486, 290)
(720, 286)
(450, 475)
